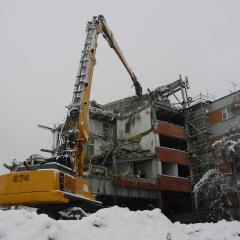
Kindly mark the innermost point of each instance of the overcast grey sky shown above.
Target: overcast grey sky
(41, 43)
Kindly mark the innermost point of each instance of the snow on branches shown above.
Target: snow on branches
(216, 192)
(211, 196)
(227, 149)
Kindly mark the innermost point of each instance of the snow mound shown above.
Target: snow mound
(111, 223)
(223, 230)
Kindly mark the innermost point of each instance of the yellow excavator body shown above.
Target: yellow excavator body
(41, 187)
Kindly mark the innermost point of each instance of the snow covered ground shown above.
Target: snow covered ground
(110, 224)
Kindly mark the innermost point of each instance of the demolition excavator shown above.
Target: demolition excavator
(57, 185)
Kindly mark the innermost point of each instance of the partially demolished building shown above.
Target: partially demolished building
(137, 153)
(150, 151)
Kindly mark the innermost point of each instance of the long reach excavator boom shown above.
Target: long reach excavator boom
(78, 109)
(56, 185)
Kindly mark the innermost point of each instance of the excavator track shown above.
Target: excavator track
(63, 212)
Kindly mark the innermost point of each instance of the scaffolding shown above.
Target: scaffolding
(198, 141)
(198, 134)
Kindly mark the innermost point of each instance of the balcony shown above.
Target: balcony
(170, 155)
(176, 184)
(170, 130)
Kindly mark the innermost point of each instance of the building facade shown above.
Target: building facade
(147, 153)
(137, 156)
(208, 121)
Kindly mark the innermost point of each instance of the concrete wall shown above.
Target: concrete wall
(98, 143)
(224, 101)
(97, 133)
(222, 126)
(96, 127)
(159, 167)
(142, 123)
(148, 142)
(101, 186)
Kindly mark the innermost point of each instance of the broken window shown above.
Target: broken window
(174, 143)
(170, 116)
(227, 112)
(169, 169)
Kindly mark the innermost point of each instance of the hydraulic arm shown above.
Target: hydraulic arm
(78, 109)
